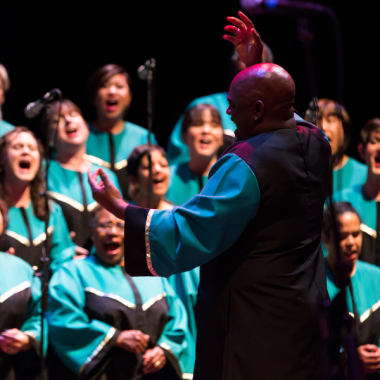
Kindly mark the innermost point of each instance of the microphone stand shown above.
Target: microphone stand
(148, 72)
(45, 259)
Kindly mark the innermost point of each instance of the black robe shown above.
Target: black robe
(255, 229)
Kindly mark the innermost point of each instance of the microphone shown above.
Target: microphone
(33, 109)
(256, 7)
(143, 70)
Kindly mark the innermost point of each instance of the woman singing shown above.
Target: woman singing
(105, 325)
(67, 181)
(112, 138)
(21, 186)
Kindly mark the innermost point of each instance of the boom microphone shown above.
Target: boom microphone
(144, 69)
(33, 109)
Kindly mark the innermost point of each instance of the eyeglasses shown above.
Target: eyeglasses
(107, 226)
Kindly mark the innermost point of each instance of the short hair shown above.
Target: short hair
(94, 214)
(4, 77)
(137, 154)
(340, 208)
(369, 127)
(193, 116)
(102, 75)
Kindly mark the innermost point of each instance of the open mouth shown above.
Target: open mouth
(205, 142)
(24, 164)
(71, 131)
(158, 180)
(111, 247)
(377, 162)
(111, 104)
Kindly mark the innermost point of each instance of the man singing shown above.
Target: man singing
(255, 230)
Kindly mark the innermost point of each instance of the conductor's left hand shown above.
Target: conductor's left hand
(106, 193)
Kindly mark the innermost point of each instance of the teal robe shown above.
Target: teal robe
(366, 290)
(351, 174)
(5, 127)
(368, 209)
(92, 302)
(20, 307)
(178, 152)
(100, 146)
(72, 191)
(26, 234)
(184, 184)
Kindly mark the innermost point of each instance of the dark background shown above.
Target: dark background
(60, 43)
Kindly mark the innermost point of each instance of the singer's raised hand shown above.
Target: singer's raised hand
(245, 38)
(106, 193)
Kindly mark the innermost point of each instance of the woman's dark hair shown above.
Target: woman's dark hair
(369, 127)
(137, 154)
(36, 187)
(4, 214)
(101, 76)
(340, 208)
(194, 116)
(329, 107)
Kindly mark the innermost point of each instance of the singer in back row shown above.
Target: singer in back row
(255, 230)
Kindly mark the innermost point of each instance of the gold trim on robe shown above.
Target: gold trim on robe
(147, 243)
(109, 335)
(112, 296)
(121, 164)
(16, 289)
(153, 300)
(20, 238)
(66, 199)
(97, 161)
(368, 312)
(42, 237)
(368, 230)
(187, 376)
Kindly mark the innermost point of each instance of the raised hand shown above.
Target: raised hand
(106, 193)
(153, 360)
(245, 38)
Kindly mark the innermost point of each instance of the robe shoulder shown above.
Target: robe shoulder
(188, 236)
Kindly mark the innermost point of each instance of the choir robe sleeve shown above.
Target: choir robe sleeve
(81, 344)
(62, 247)
(176, 339)
(178, 240)
(32, 323)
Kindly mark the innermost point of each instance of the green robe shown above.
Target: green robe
(20, 307)
(369, 212)
(72, 191)
(100, 146)
(5, 127)
(351, 174)
(178, 152)
(92, 302)
(26, 234)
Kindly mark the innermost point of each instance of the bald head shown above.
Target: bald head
(263, 97)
